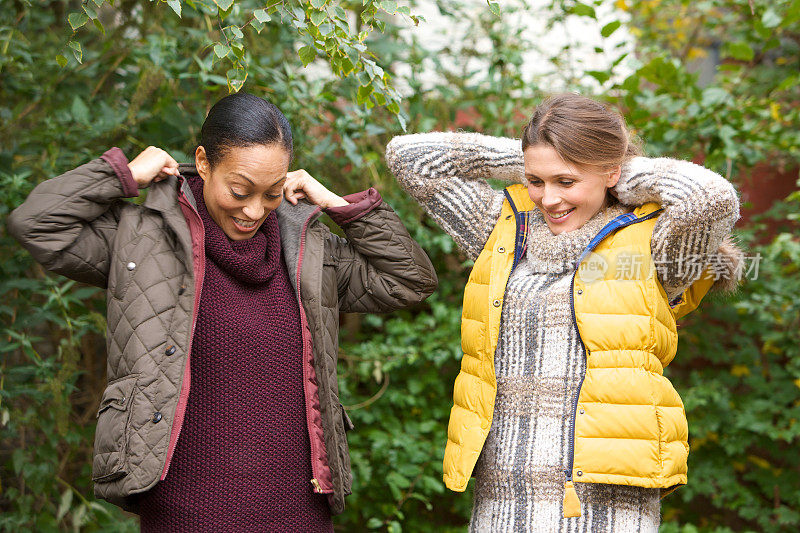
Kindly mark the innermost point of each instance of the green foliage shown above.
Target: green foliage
(146, 73)
(231, 26)
(740, 379)
(744, 113)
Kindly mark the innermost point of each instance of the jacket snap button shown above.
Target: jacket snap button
(170, 350)
(501, 250)
(580, 473)
(157, 418)
(580, 291)
(496, 303)
(131, 265)
(581, 411)
(182, 289)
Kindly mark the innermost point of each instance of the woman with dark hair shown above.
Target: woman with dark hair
(583, 264)
(221, 410)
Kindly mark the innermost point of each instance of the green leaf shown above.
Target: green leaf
(610, 28)
(771, 18)
(494, 7)
(713, 96)
(236, 79)
(363, 93)
(318, 17)
(221, 50)
(601, 76)
(79, 518)
(261, 15)
(79, 111)
(403, 120)
(582, 10)
(99, 26)
(76, 20)
(237, 32)
(61, 60)
(257, 25)
(390, 6)
(318, 4)
(77, 51)
(740, 50)
(224, 5)
(791, 81)
(176, 6)
(347, 66)
(90, 10)
(64, 504)
(307, 54)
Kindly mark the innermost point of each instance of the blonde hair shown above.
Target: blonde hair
(582, 131)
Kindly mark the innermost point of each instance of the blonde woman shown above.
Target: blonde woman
(582, 267)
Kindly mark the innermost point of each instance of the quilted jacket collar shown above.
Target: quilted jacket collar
(292, 222)
(292, 219)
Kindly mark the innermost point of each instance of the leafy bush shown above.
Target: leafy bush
(152, 76)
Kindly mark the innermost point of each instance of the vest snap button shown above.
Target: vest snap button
(580, 291)
(496, 303)
(157, 418)
(501, 250)
(170, 350)
(579, 472)
(131, 265)
(581, 411)
(182, 289)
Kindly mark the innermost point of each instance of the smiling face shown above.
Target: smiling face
(568, 196)
(244, 187)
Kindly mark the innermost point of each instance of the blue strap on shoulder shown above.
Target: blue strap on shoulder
(618, 223)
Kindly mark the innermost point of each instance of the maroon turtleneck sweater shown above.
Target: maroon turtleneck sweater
(243, 460)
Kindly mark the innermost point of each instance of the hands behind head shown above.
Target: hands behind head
(300, 184)
(153, 164)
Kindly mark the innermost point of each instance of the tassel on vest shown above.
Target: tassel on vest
(572, 505)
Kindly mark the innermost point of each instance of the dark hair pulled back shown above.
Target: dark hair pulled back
(240, 120)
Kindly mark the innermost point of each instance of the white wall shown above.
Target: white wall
(440, 32)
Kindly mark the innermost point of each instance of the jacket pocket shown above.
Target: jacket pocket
(111, 435)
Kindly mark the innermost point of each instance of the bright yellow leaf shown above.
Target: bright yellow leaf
(696, 53)
(740, 370)
(775, 111)
(759, 461)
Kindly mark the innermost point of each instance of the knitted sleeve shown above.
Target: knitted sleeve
(700, 208)
(446, 173)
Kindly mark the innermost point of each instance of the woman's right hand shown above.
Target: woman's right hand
(153, 164)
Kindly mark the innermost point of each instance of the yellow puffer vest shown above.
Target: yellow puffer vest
(629, 426)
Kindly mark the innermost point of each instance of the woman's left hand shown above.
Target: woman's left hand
(300, 184)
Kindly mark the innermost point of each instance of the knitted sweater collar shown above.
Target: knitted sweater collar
(548, 253)
(252, 261)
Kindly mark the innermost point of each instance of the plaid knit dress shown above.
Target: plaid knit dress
(519, 477)
(243, 459)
